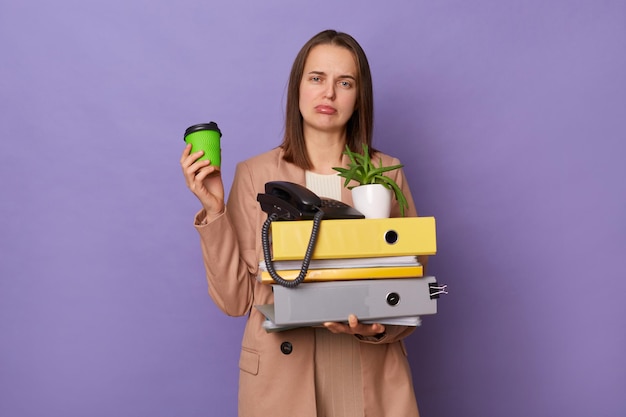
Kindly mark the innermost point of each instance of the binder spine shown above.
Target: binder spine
(355, 238)
(368, 300)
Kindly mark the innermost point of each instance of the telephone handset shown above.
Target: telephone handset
(289, 201)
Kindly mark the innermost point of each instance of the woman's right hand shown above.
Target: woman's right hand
(204, 180)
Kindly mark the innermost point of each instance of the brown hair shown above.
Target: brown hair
(359, 127)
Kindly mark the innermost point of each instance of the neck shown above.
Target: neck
(325, 151)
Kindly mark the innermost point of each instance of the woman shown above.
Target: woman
(339, 369)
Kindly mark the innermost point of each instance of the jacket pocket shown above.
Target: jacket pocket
(249, 361)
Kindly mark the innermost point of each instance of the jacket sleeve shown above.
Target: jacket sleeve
(229, 247)
(411, 211)
(400, 179)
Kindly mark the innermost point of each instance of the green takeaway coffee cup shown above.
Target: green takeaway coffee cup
(205, 137)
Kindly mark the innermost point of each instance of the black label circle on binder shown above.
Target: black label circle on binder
(391, 236)
(393, 298)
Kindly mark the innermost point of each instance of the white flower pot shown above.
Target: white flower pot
(373, 200)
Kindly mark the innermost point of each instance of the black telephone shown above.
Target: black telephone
(291, 201)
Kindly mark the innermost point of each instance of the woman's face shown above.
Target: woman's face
(328, 89)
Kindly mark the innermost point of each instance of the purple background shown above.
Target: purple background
(510, 117)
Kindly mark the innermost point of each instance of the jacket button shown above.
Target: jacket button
(286, 348)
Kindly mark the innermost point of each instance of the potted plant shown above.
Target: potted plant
(362, 170)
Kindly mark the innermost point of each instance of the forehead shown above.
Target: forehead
(331, 59)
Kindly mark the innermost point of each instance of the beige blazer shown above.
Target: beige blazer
(276, 369)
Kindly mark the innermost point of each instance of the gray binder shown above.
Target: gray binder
(370, 300)
(270, 326)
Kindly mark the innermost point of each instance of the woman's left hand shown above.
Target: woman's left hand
(354, 327)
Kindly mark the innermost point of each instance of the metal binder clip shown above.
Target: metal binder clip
(436, 290)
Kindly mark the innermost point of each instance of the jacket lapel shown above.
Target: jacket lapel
(287, 171)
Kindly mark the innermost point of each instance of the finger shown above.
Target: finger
(203, 172)
(185, 153)
(365, 329)
(369, 329)
(192, 171)
(198, 165)
(190, 158)
(196, 180)
(378, 328)
(335, 327)
(330, 326)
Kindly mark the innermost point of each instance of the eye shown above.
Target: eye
(345, 84)
(315, 79)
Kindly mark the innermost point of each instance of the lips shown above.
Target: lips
(323, 109)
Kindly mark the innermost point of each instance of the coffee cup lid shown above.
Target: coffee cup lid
(203, 126)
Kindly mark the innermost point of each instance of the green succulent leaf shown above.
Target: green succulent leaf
(362, 170)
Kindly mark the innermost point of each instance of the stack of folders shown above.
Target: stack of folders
(346, 269)
(366, 267)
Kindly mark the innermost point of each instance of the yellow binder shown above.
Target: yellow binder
(355, 238)
(344, 274)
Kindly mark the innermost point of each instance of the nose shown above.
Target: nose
(329, 93)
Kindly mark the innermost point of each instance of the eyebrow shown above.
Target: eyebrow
(352, 77)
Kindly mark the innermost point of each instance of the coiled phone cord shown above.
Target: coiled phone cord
(265, 242)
